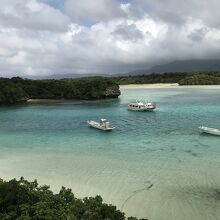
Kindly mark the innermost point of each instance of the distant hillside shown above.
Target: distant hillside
(181, 66)
(192, 78)
(201, 79)
(51, 76)
(65, 76)
(173, 67)
(185, 66)
(188, 66)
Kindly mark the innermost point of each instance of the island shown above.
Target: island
(18, 90)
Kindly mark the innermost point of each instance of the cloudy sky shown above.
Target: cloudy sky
(41, 37)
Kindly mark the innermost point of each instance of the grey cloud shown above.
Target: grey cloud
(169, 11)
(178, 12)
(128, 32)
(198, 35)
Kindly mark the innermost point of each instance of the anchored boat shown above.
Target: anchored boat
(141, 106)
(207, 130)
(102, 125)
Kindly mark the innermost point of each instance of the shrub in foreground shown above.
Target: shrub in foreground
(24, 200)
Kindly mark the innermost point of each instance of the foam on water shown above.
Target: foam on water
(153, 165)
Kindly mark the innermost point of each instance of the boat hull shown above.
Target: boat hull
(141, 110)
(211, 131)
(141, 107)
(97, 125)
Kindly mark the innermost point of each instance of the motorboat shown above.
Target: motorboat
(141, 106)
(213, 131)
(102, 125)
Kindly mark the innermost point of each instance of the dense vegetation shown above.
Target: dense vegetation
(206, 78)
(17, 89)
(148, 79)
(200, 79)
(23, 200)
(10, 92)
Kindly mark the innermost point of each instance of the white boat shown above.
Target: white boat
(141, 106)
(102, 125)
(207, 130)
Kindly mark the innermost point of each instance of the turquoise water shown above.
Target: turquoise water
(155, 164)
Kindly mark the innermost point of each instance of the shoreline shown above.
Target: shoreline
(167, 85)
(153, 85)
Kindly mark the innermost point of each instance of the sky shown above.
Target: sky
(45, 37)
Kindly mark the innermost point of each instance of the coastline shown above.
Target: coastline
(42, 100)
(167, 85)
(153, 85)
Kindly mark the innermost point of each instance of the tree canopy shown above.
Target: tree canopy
(16, 89)
(24, 200)
(200, 79)
(194, 78)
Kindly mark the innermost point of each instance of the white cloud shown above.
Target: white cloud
(93, 11)
(31, 14)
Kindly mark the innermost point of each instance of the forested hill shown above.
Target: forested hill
(17, 90)
(194, 78)
(201, 79)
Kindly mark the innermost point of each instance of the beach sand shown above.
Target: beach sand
(155, 85)
(167, 85)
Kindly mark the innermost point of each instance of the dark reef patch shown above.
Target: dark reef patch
(194, 154)
(172, 148)
(191, 153)
(202, 193)
(217, 194)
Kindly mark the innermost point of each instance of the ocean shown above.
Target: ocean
(154, 165)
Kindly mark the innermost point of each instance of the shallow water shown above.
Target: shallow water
(154, 165)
